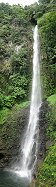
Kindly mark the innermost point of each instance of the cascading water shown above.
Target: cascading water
(28, 145)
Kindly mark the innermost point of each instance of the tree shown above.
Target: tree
(44, 1)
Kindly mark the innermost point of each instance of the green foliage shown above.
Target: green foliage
(1, 100)
(18, 86)
(47, 173)
(21, 105)
(51, 130)
(15, 32)
(44, 1)
(47, 1)
(52, 99)
(6, 112)
(7, 101)
(15, 54)
(20, 61)
(47, 31)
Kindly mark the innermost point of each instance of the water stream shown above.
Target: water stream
(29, 156)
(9, 179)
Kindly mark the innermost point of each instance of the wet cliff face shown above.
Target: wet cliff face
(11, 136)
(43, 124)
(42, 140)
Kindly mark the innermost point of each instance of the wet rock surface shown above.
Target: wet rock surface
(43, 124)
(11, 137)
(12, 134)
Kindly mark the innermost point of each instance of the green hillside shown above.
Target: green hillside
(16, 53)
(46, 175)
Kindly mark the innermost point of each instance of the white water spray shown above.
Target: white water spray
(28, 145)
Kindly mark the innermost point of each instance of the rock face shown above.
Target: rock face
(12, 134)
(11, 137)
(43, 123)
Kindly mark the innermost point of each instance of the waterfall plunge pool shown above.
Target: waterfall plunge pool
(9, 179)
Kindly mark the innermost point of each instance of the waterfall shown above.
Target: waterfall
(29, 144)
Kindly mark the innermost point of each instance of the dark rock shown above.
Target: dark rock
(11, 137)
(43, 123)
(1, 155)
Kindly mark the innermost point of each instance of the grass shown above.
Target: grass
(21, 105)
(5, 112)
(51, 130)
(52, 99)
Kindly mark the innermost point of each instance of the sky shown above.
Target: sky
(21, 2)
